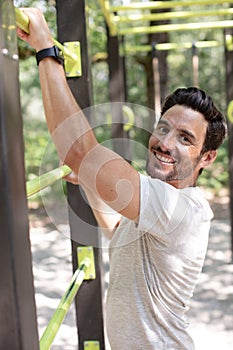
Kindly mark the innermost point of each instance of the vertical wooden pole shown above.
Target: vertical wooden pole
(116, 63)
(229, 92)
(71, 19)
(117, 93)
(18, 326)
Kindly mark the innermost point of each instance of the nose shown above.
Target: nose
(167, 141)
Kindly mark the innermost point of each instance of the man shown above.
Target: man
(160, 234)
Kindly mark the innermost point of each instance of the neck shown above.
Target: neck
(184, 183)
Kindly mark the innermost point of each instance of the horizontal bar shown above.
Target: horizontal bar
(64, 306)
(176, 27)
(171, 15)
(22, 21)
(171, 46)
(127, 49)
(40, 182)
(150, 5)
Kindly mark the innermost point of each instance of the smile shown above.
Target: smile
(164, 159)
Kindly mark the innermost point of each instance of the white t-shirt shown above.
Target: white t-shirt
(154, 268)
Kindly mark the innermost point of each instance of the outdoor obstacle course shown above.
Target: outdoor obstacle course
(20, 331)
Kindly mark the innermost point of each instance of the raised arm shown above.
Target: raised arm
(99, 170)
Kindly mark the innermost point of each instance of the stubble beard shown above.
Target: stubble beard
(187, 170)
(159, 174)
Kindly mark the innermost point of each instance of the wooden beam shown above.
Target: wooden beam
(71, 19)
(117, 93)
(18, 323)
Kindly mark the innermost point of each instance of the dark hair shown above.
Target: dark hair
(198, 100)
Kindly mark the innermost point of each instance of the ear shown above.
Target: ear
(208, 158)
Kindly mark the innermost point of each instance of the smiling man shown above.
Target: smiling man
(159, 232)
(176, 154)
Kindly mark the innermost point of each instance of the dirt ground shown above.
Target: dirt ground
(211, 311)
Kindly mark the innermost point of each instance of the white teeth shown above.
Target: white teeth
(163, 159)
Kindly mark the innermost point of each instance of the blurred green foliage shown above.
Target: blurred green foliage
(211, 77)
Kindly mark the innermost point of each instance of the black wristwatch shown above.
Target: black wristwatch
(50, 52)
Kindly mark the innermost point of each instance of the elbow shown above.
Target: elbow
(73, 158)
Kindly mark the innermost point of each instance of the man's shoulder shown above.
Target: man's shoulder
(170, 196)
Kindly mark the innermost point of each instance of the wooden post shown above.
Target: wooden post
(71, 19)
(18, 326)
(229, 92)
(117, 93)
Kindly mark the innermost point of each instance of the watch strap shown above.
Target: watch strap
(53, 52)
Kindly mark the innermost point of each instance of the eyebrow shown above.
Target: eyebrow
(185, 131)
(189, 133)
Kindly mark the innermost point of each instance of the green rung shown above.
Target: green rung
(171, 15)
(176, 27)
(64, 306)
(149, 5)
(170, 46)
(41, 182)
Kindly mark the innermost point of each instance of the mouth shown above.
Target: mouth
(164, 158)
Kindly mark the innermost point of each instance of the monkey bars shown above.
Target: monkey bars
(139, 12)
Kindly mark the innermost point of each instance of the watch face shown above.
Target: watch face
(59, 54)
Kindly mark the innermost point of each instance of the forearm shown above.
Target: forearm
(66, 122)
(58, 100)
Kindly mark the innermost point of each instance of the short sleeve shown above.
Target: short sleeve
(163, 208)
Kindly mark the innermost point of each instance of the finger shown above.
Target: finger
(21, 34)
(72, 178)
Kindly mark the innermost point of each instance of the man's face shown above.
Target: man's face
(175, 147)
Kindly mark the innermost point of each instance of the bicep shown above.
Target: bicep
(114, 180)
(107, 219)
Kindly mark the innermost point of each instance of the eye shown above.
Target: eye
(162, 129)
(185, 139)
